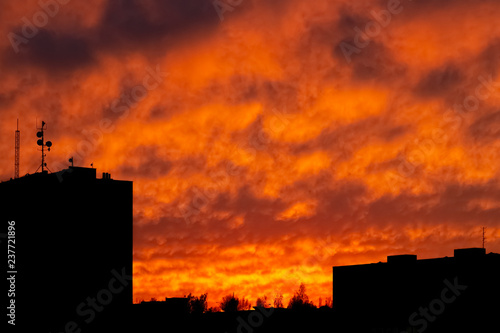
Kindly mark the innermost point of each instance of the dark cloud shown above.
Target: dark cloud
(350, 18)
(452, 204)
(340, 204)
(54, 52)
(246, 201)
(148, 27)
(151, 165)
(440, 81)
(156, 24)
(369, 58)
(375, 62)
(486, 128)
(344, 140)
(424, 7)
(237, 90)
(489, 58)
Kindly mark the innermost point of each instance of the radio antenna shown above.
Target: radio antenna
(484, 238)
(18, 148)
(41, 142)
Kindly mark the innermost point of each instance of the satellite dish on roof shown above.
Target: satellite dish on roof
(44, 144)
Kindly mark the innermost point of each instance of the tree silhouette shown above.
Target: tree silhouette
(213, 309)
(244, 304)
(197, 305)
(300, 300)
(328, 302)
(262, 302)
(229, 303)
(278, 301)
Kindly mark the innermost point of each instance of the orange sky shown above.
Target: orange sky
(270, 141)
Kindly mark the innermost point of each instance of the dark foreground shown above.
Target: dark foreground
(314, 320)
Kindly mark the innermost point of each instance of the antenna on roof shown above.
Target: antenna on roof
(18, 148)
(484, 238)
(41, 142)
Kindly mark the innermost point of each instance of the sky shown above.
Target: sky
(267, 140)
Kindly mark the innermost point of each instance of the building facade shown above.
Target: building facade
(410, 295)
(73, 248)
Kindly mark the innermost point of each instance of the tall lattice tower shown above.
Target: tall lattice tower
(18, 147)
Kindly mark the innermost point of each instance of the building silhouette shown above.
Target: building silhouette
(150, 316)
(73, 248)
(409, 295)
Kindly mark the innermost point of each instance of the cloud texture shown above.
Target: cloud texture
(273, 144)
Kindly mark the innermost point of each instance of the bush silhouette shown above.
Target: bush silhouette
(300, 300)
(197, 305)
(230, 303)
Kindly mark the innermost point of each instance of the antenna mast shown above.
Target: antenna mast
(484, 238)
(18, 148)
(41, 142)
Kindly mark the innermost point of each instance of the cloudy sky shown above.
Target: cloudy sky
(267, 140)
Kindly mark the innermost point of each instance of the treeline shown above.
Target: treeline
(232, 303)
